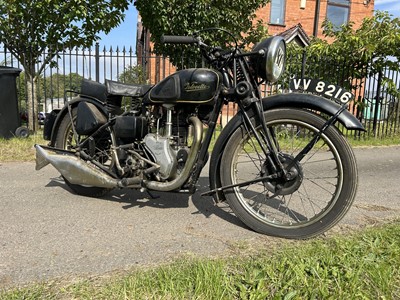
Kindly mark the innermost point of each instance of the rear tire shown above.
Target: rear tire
(65, 140)
(306, 206)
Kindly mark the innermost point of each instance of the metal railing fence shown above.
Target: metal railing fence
(374, 105)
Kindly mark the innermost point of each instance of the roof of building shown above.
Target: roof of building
(296, 34)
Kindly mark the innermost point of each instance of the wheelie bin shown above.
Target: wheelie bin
(10, 121)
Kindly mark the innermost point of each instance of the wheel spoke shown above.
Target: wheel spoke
(319, 169)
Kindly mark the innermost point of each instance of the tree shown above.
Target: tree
(351, 57)
(35, 30)
(56, 85)
(365, 51)
(179, 17)
(133, 74)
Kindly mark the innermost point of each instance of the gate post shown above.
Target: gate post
(97, 62)
(377, 104)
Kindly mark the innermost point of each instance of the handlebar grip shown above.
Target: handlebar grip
(178, 39)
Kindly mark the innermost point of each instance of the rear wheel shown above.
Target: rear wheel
(65, 140)
(22, 132)
(319, 192)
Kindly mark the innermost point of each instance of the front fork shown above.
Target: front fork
(266, 139)
(269, 144)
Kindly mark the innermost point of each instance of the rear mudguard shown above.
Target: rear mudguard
(73, 103)
(292, 100)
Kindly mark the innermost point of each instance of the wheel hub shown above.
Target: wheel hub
(286, 184)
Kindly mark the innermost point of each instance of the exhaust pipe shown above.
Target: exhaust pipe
(73, 169)
(77, 171)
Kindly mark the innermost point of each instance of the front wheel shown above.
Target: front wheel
(318, 194)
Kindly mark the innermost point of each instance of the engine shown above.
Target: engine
(156, 143)
(130, 128)
(153, 139)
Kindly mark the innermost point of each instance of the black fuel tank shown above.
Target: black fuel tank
(197, 86)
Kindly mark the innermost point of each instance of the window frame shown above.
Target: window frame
(271, 22)
(336, 3)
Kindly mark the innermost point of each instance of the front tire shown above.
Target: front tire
(65, 140)
(308, 205)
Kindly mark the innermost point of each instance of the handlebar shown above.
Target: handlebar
(178, 39)
(213, 55)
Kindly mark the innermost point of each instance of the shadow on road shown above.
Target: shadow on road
(207, 207)
(133, 198)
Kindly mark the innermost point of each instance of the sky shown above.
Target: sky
(392, 6)
(125, 34)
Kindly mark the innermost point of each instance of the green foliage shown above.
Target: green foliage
(21, 91)
(47, 87)
(133, 74)
(177, 17)
(358, 53)
(378, 39)
(28, 28)
(55, 85)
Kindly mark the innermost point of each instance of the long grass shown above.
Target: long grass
(365, 265)
(20, 149)
(375, 142)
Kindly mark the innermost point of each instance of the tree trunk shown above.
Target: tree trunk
(32, 103)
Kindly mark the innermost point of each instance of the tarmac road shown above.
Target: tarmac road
(49, 233)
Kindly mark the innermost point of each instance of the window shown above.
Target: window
(338, 12)
(278, 12)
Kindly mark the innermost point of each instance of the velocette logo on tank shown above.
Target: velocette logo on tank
(195, 87)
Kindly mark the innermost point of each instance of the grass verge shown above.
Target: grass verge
(365, 265)
(375, 142)
(20, 149)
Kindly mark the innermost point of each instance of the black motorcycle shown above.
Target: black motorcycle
(280, 162)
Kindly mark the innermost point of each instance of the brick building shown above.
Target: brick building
(294, 19)
(283, 14)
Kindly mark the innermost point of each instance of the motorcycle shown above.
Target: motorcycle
(281, 163)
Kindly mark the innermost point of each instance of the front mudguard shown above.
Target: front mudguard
(64, 111)
(291, 100)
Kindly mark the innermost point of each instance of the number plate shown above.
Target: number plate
(322, 88)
